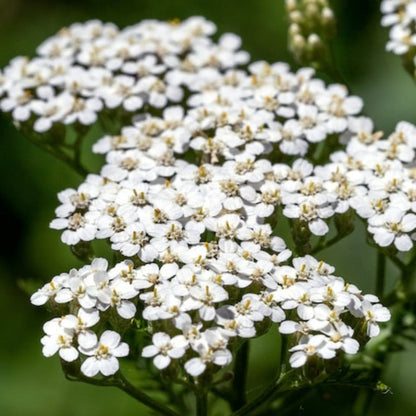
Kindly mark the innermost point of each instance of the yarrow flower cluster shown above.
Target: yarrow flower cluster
(87, 68)
(191, 196)
(194, 299)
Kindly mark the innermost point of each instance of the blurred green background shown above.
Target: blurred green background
(31, 385)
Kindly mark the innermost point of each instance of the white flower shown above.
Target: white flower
(164, 235)
(341, 338)
(211, 348)
(111, 225)
(313, 126)
(116, 294)
(372, 315)
(76, 200)
(292, 142)
(132, 241)
(59, 338)
(333, 293)
(248, 310)
(150, 275)
(48, 291)
(103, 356)
(51, 111)
(401, 39)
(78, 227)
(84, 110)
(142, 67)
(203, 298)
(76, 290)
(165, 348)
(122, 91)
(227, 225)
(311, 214)
(269, 307)
(392, 227)
(309, 346)
(18, 101)
(337, 106)
(80, 324)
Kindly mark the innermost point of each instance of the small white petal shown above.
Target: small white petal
(195, 367)
(150, 351)
(109, 366)
(68, 354)
(90, 367)
(161, 361)
(403, 242)
(298, 359)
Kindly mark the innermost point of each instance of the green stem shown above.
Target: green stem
(122, 383)
(268, 393)
(332, 66)
(291, 401)
(403, 289)
(284, 341)
(380, 274)
(363, 402)
(283, 385)
(324, 245)
(408, 277)
(60, 155)
(401, 265)
(331, 143)
(201, 403)
(77, 151)
(240, 377)
(390, 299)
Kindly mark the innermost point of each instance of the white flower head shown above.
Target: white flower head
(103, 356)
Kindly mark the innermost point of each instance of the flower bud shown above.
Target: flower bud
(328, 21)
(296, 16)
(291, 5)
(298, 44)
(294, 29)
(314, 41)
(311, 11)
(327, 15)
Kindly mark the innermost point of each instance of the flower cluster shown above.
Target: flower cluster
(401, 16)
(148, 197)
(201, 302)
(388, 173)
(191, 198)
(89, 67)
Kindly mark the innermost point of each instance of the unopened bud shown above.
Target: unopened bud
(315, 47)
(298, 42)
(295, 16)
(314, 41)
(294, 29)
(291, 5)
(328, 21)
(327, 14)
(312, 11)
(409, 320)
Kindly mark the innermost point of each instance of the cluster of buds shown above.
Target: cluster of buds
(311, 26)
